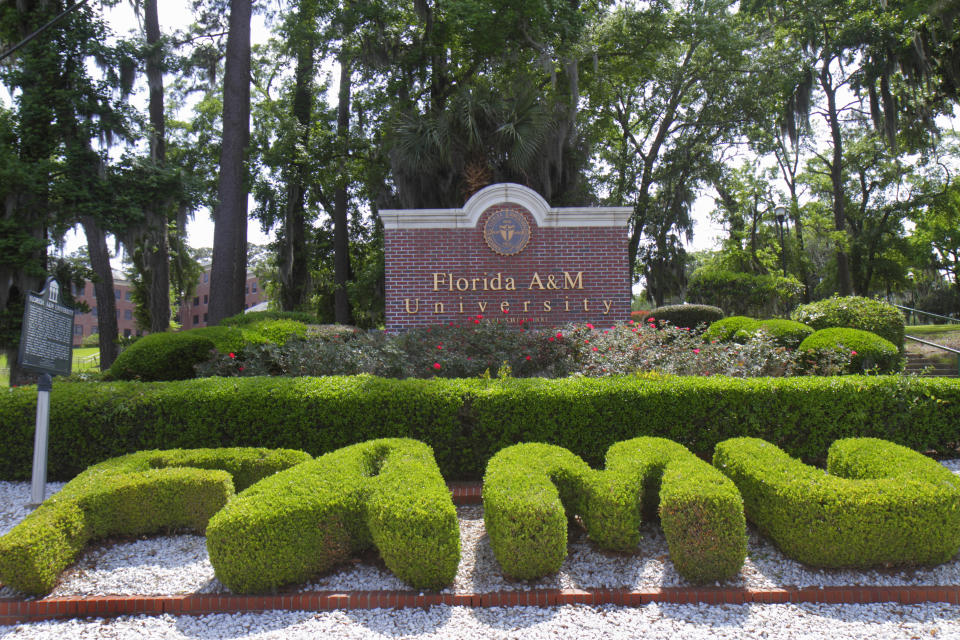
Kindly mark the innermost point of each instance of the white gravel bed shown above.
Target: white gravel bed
(654, 621)
(178, 564)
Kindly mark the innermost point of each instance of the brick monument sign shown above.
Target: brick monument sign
(506, 255)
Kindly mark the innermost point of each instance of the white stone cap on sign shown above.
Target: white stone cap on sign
(502, 193)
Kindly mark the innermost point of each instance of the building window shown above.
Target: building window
(128, 314)
(196, 301)
(93, 311)
(139, 333)
(78, 329)
(196, 320)
(205, 317)
(118, 293)
(206, 277)
(206, 299)
(94, 329)
(126, 333)
(246, 289)
(253, 286)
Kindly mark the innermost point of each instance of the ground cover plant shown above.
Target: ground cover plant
(531, 491)
(386, 493)
(140, 493)
(879, 504)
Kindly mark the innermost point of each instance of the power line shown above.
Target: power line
(33, 35)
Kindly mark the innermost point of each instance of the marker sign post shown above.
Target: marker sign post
(46, 347)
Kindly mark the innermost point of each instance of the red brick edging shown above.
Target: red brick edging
(19, 611)
(13, 611)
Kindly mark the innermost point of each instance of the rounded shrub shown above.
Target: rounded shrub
(867, 351)
(162, 356)
(253, 317)
(92, 340)
(278, 331)
(854, 312)
(687, 315)
(786, 333)
(725, 329)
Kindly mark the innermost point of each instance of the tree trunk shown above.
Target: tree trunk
(844, 281)
(341, 238)
(154, 244)
(103, 289)
(293, 268)
(229, 270)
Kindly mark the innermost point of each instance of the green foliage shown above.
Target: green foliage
(879, 504)
(467, 421)
(255, 317)
(92, 340)
(854, 312)
(866, 351)
(387, 494)
(532, 490)
(227, 339)
(278, 331)
(161, 356)
(131, 495)
(744, 293)
(687, 315)
(786, 333)
(726, 329)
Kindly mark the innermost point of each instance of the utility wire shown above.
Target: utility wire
(33, 35)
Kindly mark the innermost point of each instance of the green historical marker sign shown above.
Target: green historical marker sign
(46, 340)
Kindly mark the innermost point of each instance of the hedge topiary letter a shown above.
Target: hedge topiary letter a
(300, 522)
(878, 504)
(530, 490)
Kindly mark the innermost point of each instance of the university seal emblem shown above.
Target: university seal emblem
(506, 232)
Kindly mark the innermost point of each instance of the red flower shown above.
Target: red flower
(559, 335)
(232, 355)
(595, 349)
(440, 346)
(479, 317)
(696, 350)
(240, 369)
(436, 365)
(476, 322)
(853, 353)
(586, 342)
(528, 357)
(651, 319)
(589, 326)
(550, 339)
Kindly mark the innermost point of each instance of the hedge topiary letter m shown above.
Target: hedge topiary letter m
(300, 522)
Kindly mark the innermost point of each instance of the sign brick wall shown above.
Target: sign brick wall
(441, 269)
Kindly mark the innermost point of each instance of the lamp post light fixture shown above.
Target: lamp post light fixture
(781, 213)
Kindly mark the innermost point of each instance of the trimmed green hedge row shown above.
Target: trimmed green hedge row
(131, 495)
(386, 493)
(531, 490)
(881, 504)
(467, 421)
(865, 350)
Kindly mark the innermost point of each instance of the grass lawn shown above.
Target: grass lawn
(932, 329)
(81, 362)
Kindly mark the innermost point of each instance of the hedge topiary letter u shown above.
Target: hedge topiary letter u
(298, 523)
(134, 494)
(881, 504)
(530, 490)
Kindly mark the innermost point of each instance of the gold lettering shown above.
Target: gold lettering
(450, 280)
(406, 302)
(535, 281)
(505, 306)
(482, 306)
(466, 284)
(438, 307)
(546, 305)
(573, 283)
(552, 282)
(461, 305)
(526, 306)
(438, 279)
(606, 307)
(566, 304)
(511, 285)
(585, 307)
(484, 284)
(495, 283)
(473, 284)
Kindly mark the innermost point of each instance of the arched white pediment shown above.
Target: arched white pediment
(501, 193)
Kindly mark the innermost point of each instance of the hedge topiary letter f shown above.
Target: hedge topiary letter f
(300, 522)
(530, 491)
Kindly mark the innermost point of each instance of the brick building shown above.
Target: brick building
(193, 313)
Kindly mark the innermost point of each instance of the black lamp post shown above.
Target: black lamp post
(781, 213)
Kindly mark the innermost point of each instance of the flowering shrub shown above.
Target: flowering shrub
(482, 347)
